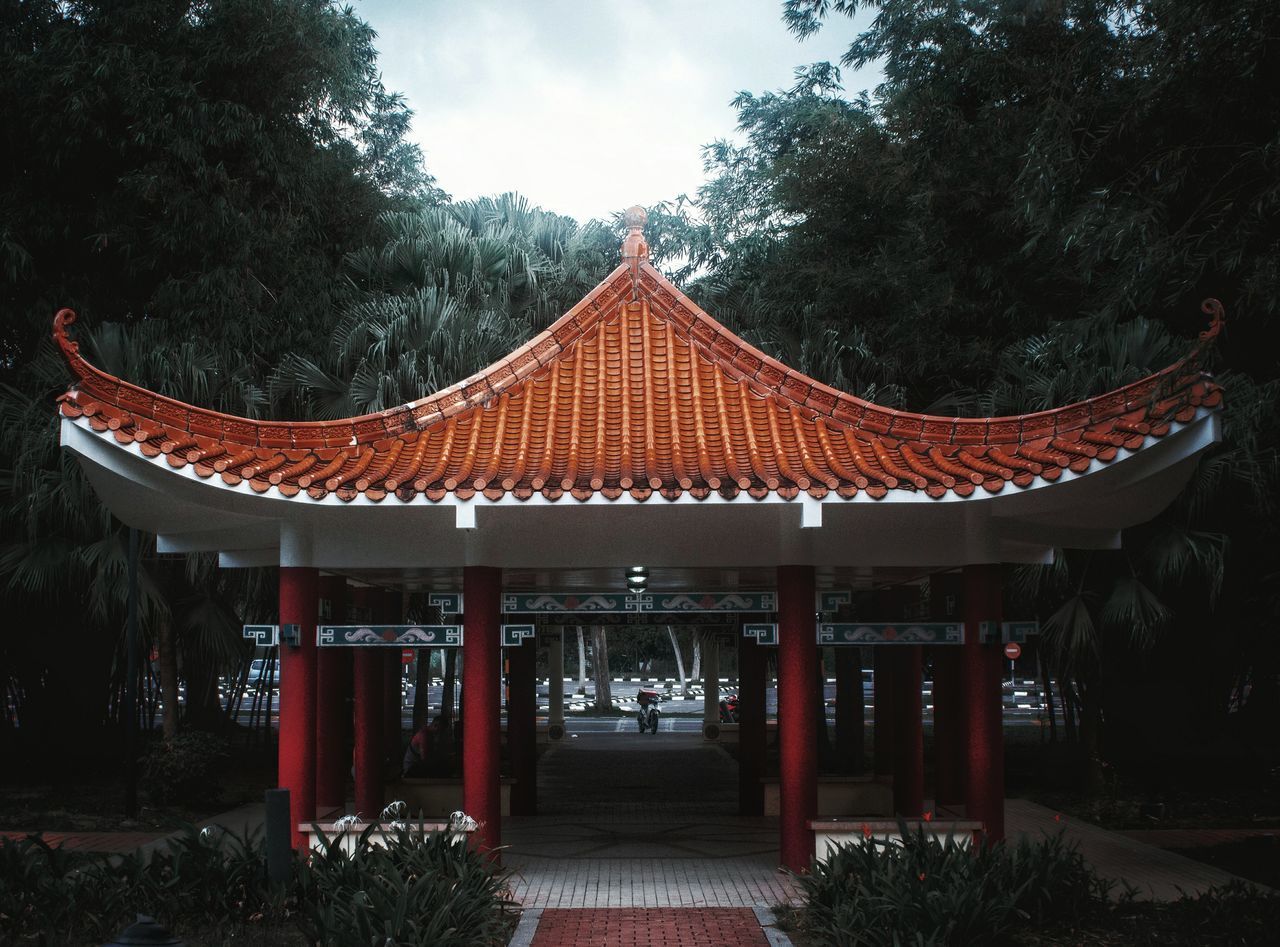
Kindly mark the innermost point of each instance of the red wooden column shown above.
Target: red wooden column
(522, 726)
(299, 598)
(949, 727)
(751, 726)
(908, 733)
(391, 613)
(481, 699)
(333, 676)
(797, 724)
(984, 781)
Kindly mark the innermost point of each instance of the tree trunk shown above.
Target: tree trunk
(1047, 684)
(675, 647)
(1067, 688)
(600, 656)
(850, 712)
(450, 683)
(1090, 725)
(582, 663)
(695, 674)
(203, 711)
(168, 660)
(819, 710)
(422, 689)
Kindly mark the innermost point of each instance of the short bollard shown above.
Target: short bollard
(279, 837)
(145, 931)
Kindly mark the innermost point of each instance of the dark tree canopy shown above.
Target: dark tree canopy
(1024, 162)
(204, 164)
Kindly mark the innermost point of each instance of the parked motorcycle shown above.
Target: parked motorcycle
(729, 709)
(647, 714)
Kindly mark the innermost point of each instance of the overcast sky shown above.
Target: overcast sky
(584, 106)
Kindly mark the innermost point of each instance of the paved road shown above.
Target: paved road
(1023, 701)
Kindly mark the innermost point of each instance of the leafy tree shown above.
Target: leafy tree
(1028, 210)
(189, 177)
(445, 292)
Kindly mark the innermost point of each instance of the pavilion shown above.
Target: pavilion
(637, 430)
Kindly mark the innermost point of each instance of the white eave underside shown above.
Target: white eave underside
(1019, 524)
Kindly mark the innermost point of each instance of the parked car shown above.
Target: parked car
(258, 670)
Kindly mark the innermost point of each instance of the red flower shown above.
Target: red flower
(928, 816)
(922, 876)
(866, 830)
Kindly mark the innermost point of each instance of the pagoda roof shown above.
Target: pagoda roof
(636, 390)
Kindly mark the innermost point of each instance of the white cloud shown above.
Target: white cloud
(584, 106)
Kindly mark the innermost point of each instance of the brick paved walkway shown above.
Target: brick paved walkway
(638, 927)
(632, 821)
(1156, 874)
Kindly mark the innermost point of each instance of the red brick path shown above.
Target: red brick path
(648, 927)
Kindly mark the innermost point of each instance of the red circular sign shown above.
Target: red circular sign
(1012, 650)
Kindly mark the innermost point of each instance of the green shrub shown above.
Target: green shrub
(184, 769)
(422, 888)
(925, 892)
(198, 880)
(1235, 914)
(210, 887)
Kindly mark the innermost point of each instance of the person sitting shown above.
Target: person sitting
(419, 751)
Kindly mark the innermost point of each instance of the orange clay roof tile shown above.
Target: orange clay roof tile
(636, 390)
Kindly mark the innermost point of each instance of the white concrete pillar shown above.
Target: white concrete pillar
(555, 662)
(711, 687)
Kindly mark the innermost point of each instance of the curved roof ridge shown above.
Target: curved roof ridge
(475, 389)
(816, 396)
(637, 389)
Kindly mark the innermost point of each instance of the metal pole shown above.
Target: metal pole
(131, 686)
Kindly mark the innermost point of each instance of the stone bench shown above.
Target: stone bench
(349, 836)
(839, 796)
(828, 833)
(438, 797)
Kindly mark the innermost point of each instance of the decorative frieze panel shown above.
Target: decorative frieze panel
(449, 603)
(542, 603)
(390, 636)
(634, 619)
(267, 636)
(1005, 632)
(716, 602)
(513, 636)
(832, 599)
(765, 633)
(534, 603)
(855, 633)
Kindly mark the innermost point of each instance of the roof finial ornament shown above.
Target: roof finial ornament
(634, 247)
(635, 250)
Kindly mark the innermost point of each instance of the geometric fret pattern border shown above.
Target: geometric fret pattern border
(1009, 631)
(513, 636)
